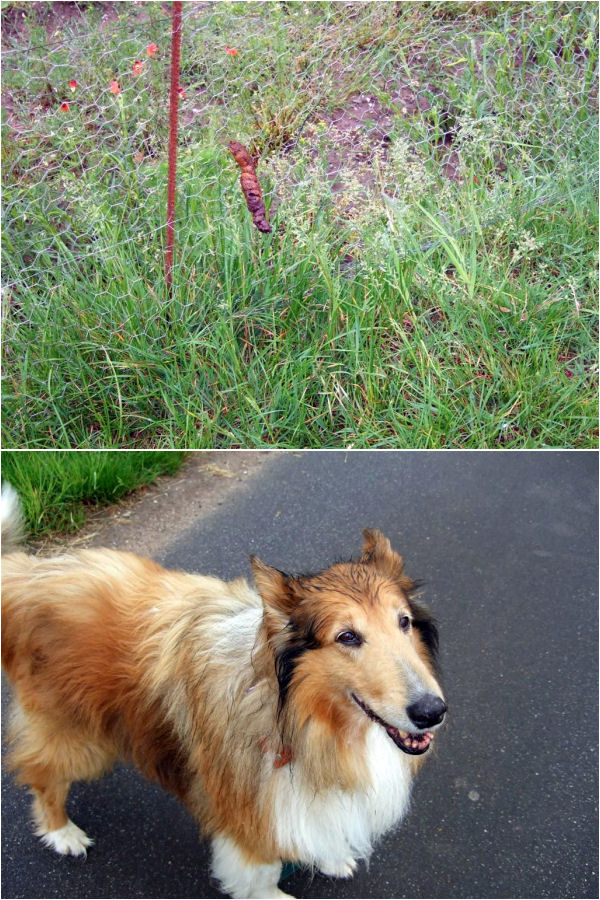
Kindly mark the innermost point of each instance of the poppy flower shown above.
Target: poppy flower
(73, 84)
(231, 50)
(182, 93)
(137, 67)
(138, 157)
(151, 49)
(114, 87)
(64, 106)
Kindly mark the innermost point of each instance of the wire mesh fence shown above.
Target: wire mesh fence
(380, 131)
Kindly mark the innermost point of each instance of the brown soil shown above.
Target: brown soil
(364, 124)
(55, 17)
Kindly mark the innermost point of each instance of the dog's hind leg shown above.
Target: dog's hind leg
(48, 758)
(53, 825)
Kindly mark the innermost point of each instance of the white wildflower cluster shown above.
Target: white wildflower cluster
(406, 170)
(79, 196)
(479, 140)
(352, 197)
(525, 247)
(380, 248)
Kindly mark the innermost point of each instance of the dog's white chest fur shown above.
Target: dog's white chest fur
(331, 829)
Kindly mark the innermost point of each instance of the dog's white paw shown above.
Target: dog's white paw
(340, 869)
(69, 840)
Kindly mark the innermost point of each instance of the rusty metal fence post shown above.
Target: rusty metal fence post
(173, 119)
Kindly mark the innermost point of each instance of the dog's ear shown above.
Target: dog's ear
(378, 551)
(275, 587)
(278, 594)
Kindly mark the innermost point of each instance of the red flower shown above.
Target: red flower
(231, 50)
(64, 106)
(151, 49)
(182, 93)
(137, 67)
(73, 84)
(476, 180)
(114, 87)
(138, 157)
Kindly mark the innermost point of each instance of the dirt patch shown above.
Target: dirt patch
(54, 17)
(363, 128)
(151, 518)
(62, 14)
(357, 129)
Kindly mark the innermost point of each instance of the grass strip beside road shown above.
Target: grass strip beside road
(58, 488)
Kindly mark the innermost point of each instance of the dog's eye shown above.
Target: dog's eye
(350, 638)
(404, 623)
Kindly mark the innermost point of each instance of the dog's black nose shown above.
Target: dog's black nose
(427, 711)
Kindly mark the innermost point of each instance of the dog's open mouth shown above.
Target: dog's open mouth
(409, 743)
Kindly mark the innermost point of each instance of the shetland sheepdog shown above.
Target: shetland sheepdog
(290, 717)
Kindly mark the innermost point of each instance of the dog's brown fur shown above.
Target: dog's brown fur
(113, 657)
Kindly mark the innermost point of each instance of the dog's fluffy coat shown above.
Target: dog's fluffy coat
(285, 737)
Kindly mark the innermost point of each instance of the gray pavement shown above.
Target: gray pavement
(507, 544)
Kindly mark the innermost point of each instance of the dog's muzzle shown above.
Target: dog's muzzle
(428, 709)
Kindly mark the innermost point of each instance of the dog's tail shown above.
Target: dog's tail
(11, 517)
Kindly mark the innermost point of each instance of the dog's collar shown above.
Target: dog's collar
(283, 755)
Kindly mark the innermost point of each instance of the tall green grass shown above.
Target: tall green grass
(57, 488)
(476, 341)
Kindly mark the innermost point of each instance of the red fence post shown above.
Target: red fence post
(173, 110)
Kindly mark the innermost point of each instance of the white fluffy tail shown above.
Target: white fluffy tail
(11, 517)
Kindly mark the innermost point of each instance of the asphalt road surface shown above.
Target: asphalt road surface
(507, 545)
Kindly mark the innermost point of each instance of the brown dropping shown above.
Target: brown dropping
(250, 186)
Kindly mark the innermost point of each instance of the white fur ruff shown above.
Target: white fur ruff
(332, 829)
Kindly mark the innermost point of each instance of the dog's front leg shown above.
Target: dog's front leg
(239, 878)
(342, 868)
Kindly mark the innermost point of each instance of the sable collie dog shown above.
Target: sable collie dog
(290, 717)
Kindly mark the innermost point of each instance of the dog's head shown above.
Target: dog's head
(351, 644)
